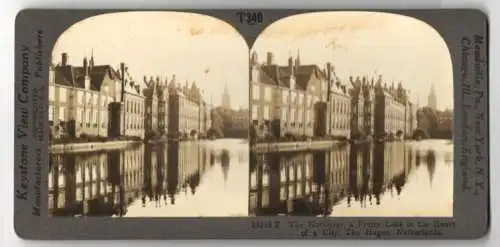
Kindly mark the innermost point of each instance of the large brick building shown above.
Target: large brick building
(363, 106)
(156, 105)
(133, 110)
(184, 110)
(297, 99)
(79, 97)
(97, 100)
(305, 100)
(393, 112)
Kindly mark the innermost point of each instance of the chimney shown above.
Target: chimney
(329, 71)
(290, 65)
(64, 59)
(270, 58)
(122, 77)
(254, 58)
(85, 67)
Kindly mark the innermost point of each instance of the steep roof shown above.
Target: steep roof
(280, 75)
(75, 76)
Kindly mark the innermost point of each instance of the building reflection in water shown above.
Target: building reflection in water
(107, 183)
(316, 183)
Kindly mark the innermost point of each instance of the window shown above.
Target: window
(266, 112)
(63, 93)
(89, 117)
(62, 113)
(294, 97)
(255, 92)
(51, 92)
(255, 75)
(51, 113)
(268, 93)
(284, 95)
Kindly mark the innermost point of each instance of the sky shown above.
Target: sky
(366, 43)
(163, 44)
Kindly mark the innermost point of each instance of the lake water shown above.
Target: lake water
(412, 179)
(221, 178)
(190, 179)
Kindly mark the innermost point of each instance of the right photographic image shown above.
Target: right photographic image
(351, 115)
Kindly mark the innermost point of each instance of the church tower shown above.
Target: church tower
(431, 102)
(226, 101)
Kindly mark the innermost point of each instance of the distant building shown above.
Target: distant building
(362, 106)
(391, 110)
(184, 110)
(151, 102)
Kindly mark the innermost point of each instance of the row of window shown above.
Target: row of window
(133, 106)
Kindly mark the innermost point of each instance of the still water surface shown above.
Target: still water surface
(190, 179)
(393, 179)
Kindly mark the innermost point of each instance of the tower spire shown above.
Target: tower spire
(226, 102)
(91, 62)
(432, 98)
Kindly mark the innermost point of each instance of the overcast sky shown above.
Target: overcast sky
(164, 43)
(398, 47)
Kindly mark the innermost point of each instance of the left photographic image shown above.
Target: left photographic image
(148, 116)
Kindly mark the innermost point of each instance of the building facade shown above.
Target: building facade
(363, 107)
(339, 113)
(184, 112)
(299, 100)
(133, 124)
(305, 100)
(79, 98)
(151, 102)
(391, 111)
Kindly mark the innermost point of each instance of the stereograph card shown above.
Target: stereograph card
(257, 124)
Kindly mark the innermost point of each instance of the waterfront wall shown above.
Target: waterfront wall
(293, 146)
(90, 146)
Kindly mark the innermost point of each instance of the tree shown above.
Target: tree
(399, 133)
(230, 122)
(437, 124)
(217, 123)
(427, 120)
(419, 134)
(193, 133)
